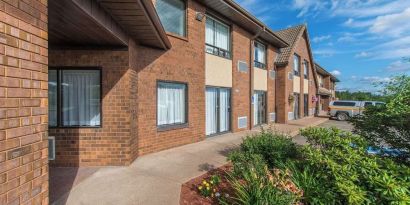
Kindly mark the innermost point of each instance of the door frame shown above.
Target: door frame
(218, 113)
(265, 109)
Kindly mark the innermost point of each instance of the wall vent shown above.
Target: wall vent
(272, 74)
(242, 66)
(272, 117)
(242, 122)
(51, 148)
(290, 76)
(291, 116)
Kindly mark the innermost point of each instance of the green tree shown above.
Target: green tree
(389, 124)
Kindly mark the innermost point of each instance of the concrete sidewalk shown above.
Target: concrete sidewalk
(157, 178)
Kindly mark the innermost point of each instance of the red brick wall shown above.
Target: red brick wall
(23, 102)
(241, 89)
(272, 54)
(184, 62)
(285, 86)
(110, 144)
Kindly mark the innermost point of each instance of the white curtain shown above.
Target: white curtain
(80, 97)
(260, 52)
(222, 36)
(209, 31)
(171, 103)
(172, 15)
(296, 63)
(255, 109)
(52, 97)
(211, 113)
(224, 96)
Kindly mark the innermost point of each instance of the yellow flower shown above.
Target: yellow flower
(200, 187)
(204, 182)
(207, 188)
(212, 182)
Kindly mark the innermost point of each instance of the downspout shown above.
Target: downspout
(251, 74)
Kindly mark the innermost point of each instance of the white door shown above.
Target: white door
(211, 107)
(224, 109)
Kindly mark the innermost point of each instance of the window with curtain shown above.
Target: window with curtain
(172, 15)
(296, 65)
(306, 69)
(80, 95)
(171, 103)
(217, 38)
(259, 55)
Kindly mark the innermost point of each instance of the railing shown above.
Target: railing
(218, 51)
(259, 64)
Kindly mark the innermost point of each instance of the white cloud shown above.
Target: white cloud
(325, 52)
(362, 54)
(393, 24)
(398, 66)
(336, 73)
(319, 39)
(358, 24)
(374, 79)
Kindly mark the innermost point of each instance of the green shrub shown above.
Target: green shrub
(274, 148)
(358, 178)
(254, 184)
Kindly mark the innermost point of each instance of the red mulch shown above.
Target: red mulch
(190, 194)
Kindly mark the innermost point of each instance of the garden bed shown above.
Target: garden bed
(190, 194)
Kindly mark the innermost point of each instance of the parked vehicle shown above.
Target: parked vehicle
(344, 109)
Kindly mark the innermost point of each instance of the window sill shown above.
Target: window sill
(163, 128)
(184, 38)
(218, 55)
(75, 127)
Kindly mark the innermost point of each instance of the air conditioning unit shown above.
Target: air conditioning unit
(272, 117)
(242, 122)
(51, 148)
(242, 66)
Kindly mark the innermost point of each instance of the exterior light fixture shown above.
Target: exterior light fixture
(199, 16)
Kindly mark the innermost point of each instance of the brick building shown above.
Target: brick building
(327, 86)
(297, 84)
(107, 81)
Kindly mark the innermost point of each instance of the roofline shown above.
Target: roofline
(154, 18)
(257, 21)
(332, 77)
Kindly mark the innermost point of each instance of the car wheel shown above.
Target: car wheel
(342, 116)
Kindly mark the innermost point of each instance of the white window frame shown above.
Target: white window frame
(257, 63)
(214, 48)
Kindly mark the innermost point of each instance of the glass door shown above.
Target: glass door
(259, 108)
(218, 110)
(296, 106)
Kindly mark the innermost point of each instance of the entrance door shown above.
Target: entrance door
(218, 113)
(296, 106)
(259, 107)
(306, 104)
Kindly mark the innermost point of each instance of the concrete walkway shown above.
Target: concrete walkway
(157, 178)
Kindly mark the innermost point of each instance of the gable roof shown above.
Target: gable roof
(291, 36)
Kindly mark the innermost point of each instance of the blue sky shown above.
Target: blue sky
(362, 42)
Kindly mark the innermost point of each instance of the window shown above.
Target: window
(306, 69)
(217, 38)
(259, 55)
(340, 103)
(74, 98)
(172, 15)
(171, 103)
(296, 65)
(367, 104)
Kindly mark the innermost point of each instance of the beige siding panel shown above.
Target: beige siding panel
(296, 84)
(218, 71)
(306, 86)
(260, 79)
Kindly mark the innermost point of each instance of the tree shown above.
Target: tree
(388, 124)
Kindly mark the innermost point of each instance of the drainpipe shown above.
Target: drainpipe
(251, 72)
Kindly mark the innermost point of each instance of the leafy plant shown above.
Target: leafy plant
(208, 188)
(389, 125)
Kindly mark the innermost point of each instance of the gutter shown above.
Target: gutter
(154, 19)
(282, 43)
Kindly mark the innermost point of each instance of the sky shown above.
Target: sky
(362, 42)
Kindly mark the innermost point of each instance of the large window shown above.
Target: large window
(306, 69)
(171, 103)
(74, 98)
(259, 55)
(217, 38)
(296, 65)
(172, 15)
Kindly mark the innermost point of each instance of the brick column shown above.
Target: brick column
(23, 102)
